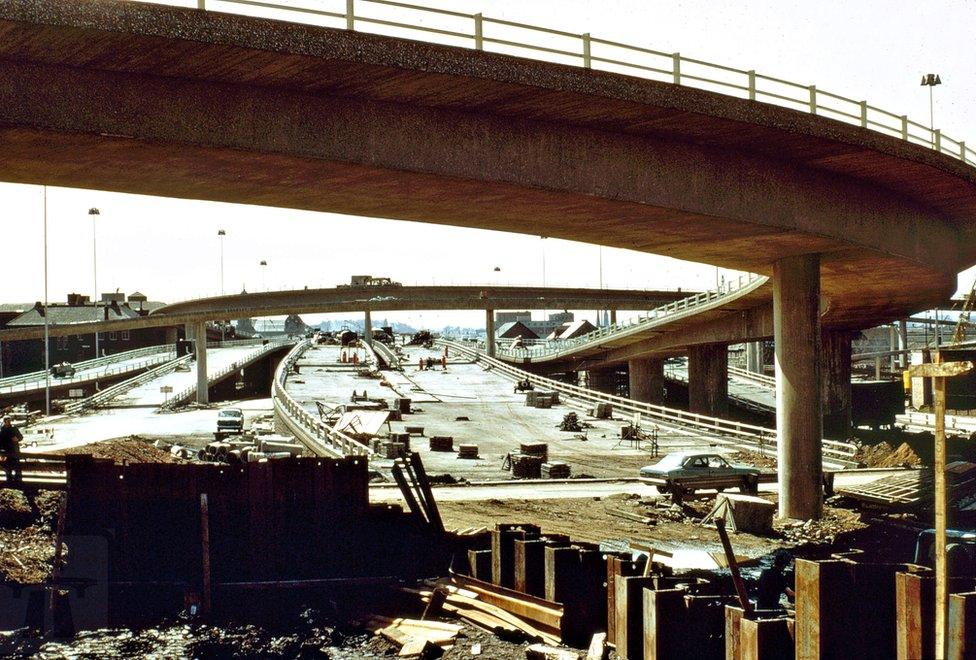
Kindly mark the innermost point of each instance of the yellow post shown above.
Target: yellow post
(939, 372)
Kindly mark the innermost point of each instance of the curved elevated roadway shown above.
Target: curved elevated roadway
(855, 226)
(353, 299)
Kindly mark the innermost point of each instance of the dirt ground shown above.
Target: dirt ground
(677, 528)
(129, 449)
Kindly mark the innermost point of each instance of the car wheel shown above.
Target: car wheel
(750, 486)
(662, 488)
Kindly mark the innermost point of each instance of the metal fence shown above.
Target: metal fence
(480, 32)
(658, 316)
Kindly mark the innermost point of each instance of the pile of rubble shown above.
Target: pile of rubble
(883, 455)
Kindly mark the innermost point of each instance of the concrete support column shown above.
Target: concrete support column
(601, 380)
(200, 334)
(893, 346)
(172, 334)
(490, 341)
(921, 387)
(903, 332)
(646, 378)
(835, 379)
(368, 328)
(708, 380)
(613, 317)
(796, 327)
(754, 356)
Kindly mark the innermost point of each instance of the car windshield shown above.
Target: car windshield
(231, 413)
(670, 461)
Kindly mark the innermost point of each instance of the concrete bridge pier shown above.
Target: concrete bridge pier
(796, 328)
(200, 334)
(903, 334)
(754, 357)
(368, 328)
(835, 378)
(613, 317)
(490, 343)
(708, 380)
(601, 380)
(646, 378)
(172, 335)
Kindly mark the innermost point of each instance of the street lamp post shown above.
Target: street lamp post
(47, 338)
(930, 80)
(545, 312)
(220, 237)
(94, 213)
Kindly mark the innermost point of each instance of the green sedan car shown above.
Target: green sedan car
(685, 472)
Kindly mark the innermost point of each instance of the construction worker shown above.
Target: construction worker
(773, 583)
(420, 364)
(444, 363)
(10, 438)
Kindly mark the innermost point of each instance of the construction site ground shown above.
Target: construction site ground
(497, 419)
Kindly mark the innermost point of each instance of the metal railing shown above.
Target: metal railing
(750, 436)
(480, 32)
(658, 316)
(759, 379)
(187, 393)
(104, 396)
(320, 438)
(9, 384)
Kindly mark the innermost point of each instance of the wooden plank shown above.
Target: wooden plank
(205, 601)
(630, 616)
(541, 613)
(941, 504)
(665, 629)
(940, 369)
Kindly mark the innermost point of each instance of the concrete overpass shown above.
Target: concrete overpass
(98, 94)
(357, 299)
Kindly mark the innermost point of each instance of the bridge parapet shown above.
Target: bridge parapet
(656, 317)
(484, 33)
(320, 439)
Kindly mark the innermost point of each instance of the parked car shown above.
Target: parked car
(62, 370)
(230, 421)
(685, 472)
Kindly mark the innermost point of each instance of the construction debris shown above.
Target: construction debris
(743, 513)
(571, 422)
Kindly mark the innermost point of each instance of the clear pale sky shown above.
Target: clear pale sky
(168, 248)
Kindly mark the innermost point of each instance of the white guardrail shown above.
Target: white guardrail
(186, 393)
(756, 438)
(104, 396)
(162, 353)
(759, 379)
(480, 32)
(658, 316)
(320, 438)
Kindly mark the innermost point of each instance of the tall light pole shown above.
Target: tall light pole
(47, 339)
(930, 80)
(599, 314)
(545, 312)
(94, 213)
(220, 238)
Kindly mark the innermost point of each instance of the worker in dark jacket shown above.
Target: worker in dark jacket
(10, 438)
(772, 582)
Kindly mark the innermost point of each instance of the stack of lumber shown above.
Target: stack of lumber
(504, 612)
(415, 636)
(540, 449)
(441, 443)
(555, 470)
(467, 451)
(602, 411)
(526, 467)
(743, 513)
